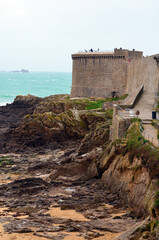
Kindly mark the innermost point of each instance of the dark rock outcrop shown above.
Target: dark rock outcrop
(46, 123)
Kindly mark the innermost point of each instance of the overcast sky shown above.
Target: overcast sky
(41, 35)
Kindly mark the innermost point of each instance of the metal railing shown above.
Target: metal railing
(148, 136)
(129, 113)
(126, 113)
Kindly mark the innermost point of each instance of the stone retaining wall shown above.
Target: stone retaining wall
(143, 71)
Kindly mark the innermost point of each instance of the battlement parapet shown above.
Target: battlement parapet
(118, 53)
(95, 55)
(130, 55)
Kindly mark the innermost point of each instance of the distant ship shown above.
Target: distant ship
(24, 71)
(21, 71)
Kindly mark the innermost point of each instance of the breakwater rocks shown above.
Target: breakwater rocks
(61, 177)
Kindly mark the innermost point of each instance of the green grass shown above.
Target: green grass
(136, 120)
(93, 104)
(135, 139)
(6, 160)
(157, 134)
(155, 124)
(157, 203)
(138, 147)
(109, 113)
(157, 194)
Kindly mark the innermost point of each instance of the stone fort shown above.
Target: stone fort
(98, 74)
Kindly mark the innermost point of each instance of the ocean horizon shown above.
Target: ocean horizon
(40, 84)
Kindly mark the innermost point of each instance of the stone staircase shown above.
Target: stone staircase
(129, 102)
(145, 105)
(150, 133)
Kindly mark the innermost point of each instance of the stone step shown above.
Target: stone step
(146, 121)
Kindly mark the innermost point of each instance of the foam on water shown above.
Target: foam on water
(38, 84)
(4, 103)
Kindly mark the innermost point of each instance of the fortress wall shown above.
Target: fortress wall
(143, 71)
(98, 76)
(134, 55)
(130, 55)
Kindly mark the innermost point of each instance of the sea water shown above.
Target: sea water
(39, 84)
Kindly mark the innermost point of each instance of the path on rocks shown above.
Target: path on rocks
(145, 105)
(150, 133)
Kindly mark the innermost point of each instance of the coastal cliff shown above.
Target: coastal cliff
(56, 154)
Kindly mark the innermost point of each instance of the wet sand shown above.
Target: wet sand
(54, 212)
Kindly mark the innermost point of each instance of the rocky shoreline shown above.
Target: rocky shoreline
(60, 174)
(34, 202)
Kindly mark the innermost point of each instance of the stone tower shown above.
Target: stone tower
(98, 74)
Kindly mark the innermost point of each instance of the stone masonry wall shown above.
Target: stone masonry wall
(119, 125)
(98, 76)
(130, 55)
(143, 71)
